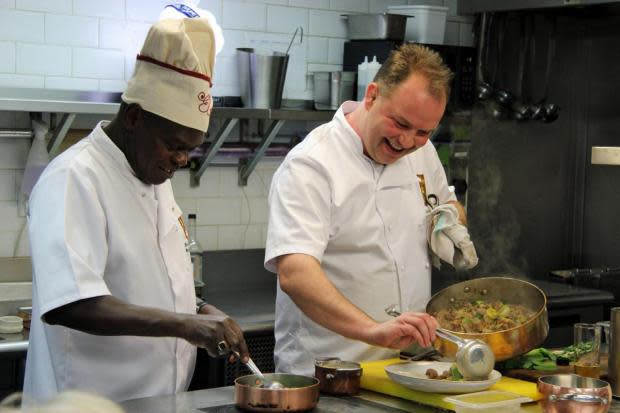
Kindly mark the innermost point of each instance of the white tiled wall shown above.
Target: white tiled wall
(90, 44)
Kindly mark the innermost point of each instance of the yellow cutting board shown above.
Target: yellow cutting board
(376, 379)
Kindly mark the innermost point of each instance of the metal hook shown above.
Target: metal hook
(301, 38)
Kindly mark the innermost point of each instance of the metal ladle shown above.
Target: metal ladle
(272, 385)
(474, 358)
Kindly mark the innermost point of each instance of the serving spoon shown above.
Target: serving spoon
(269, 384)
(474, 358)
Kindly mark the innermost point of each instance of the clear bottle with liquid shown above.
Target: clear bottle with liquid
(195, 253)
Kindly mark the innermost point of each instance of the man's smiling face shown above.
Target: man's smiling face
(159, 147)
(401, 122)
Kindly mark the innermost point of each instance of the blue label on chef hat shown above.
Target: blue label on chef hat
(186, 10)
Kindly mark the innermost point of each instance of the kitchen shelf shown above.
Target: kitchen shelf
(67, 104)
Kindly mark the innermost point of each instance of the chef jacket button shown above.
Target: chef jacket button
(389, 227)
(143, 194)
(427, 265)
(402, 267)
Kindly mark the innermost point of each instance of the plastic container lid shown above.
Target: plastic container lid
(11, 324)
(490, 401)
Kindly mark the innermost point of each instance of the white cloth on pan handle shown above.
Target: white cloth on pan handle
(449, 240)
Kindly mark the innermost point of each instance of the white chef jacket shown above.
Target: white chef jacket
(95, 229)
(364, 222)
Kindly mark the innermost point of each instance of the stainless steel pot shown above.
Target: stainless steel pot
(300, 393)
(568, 393)
(376, 26)
(507, 343)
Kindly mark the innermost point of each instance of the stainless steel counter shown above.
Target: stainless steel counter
(222, 399)
(13, 343)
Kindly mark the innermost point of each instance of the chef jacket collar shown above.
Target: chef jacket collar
(396, 174)
(103, 141)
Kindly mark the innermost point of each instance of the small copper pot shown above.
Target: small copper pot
(568, 393)
(300, 393)
(338, 376)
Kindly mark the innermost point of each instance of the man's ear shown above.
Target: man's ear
(372, 93)
(133, 116)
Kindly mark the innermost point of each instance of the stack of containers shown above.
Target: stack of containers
(427, 24)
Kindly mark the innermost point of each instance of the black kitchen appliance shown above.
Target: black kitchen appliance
(461, 60)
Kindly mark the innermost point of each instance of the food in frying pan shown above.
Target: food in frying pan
(482, 316)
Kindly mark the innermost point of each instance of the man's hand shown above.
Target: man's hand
(402, 331)
(211, 327)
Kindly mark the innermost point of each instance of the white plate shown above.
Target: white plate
(413, 376)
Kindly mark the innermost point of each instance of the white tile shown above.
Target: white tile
(7, 185)
(317, 49)
(71, 83)
(213, 6)
(107, 64)
(327, 23)
(360, 6)
(21, 25)
(207, 236)
(23, 246)
(232, 40)
(218, 211)
(112, 85)
(208, 188)
(311, 4)
(247, 16)
(226, 72)
(255, 211)
(336, 51)
(268, 1)
(7, 62)
(9, 218)
(54, 6)
(109, 8)
(145, 10)
(7, 4)
(34, 59)
(21, 81)
(187, 205)
(230, 237)
(13, 153)
(7, 243)
(71, 30)
(112, 34)
(286, 19)
(253, 236)
(381, 6)
(229, 186)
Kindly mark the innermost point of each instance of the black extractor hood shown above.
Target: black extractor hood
(481, 6)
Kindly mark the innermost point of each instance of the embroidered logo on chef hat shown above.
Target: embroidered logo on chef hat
(173, 72)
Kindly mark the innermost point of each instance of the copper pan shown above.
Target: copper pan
(505, 344)
(300, 393)
(568, 393)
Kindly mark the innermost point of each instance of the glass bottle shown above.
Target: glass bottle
(195, 253)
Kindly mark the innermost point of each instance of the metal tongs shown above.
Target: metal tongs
(474, 358)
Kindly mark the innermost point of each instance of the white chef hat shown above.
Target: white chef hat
(189, 9)
(173, 72)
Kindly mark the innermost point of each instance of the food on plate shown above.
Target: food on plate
(452, 374)
(482, 316)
